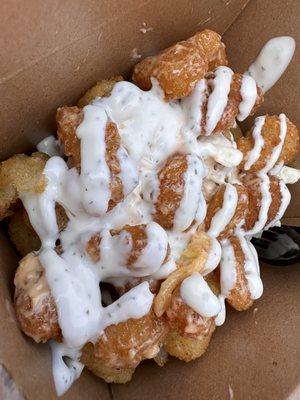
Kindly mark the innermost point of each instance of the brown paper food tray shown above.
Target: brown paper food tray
(51, 52)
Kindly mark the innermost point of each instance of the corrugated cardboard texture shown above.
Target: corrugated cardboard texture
(54, 50)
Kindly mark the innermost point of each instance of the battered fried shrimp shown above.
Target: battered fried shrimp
(193, 259)
(20, 174)
(273, 139)
(34, 304)
(98, 367)
(178, 68)
(144, 241)
(179, 197)
(101, 89)
(126, 344)
(268, 200)
(184, 320)
(186, 348)
(68, 119)
(239, 273)
(226, 210)
(224, 87)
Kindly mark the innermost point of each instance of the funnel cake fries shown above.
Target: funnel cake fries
(135, 227)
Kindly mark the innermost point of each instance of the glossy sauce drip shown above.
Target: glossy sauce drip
(255, 152)
(196, 293)
(284, 202)
(249, 95)
(272, 61)
(224, 215)
(228, 274)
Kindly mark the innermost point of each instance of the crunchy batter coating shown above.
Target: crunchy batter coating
(126, 344)
(101, 89)
(270, 134)
(239, 296)
(20, 174)
(178, 68)
(98, 367)
(186, 348)
(253, 183)
(34, 304)
(68, 119)
(171, 188)
(216, 203)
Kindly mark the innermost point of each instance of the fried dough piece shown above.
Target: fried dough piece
(98, 367)
(171, 188)
(216, 204)
(34, 304)
(186, 348)
(179, 67)
(180, 178)
(68, 119)
(193, 259)
(126, 344)
(270, 133)
(184, 320)
(257, 195)
(101, 89)
(20, 174)
(246, 275)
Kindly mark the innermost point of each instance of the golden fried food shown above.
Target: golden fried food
(269, 132)
(257, 193)
(126, 344)
(98, 367)
(184, 320)
(216, 203)
(192, 259)
(171, 188)
(178, 68)
(68, 119)
(34, 304)
(22, 234)
(186, 348)
(239, 273)
(231, 111)
(101, 89)
(20, 174)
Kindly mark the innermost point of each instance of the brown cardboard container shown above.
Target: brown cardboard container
(52, 51)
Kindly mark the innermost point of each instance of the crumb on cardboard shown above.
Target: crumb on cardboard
(135, 55)
(144, 29)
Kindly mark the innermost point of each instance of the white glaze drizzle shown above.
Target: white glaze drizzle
(228, 274)
(214, 256)
(49, 145)
(272, 61)
(287, 174)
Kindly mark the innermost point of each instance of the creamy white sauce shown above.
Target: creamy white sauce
(220, 319)
(49, 145)
(251, 268)
(192, 198)
(218, 98)
(287, 174)
(224, 214)
(228, 274)
(284, 202)
(214, 256)
(249, 95)
(272, 61)
(265, 202)
(196, 293)
(255, 152)
(275, 153)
